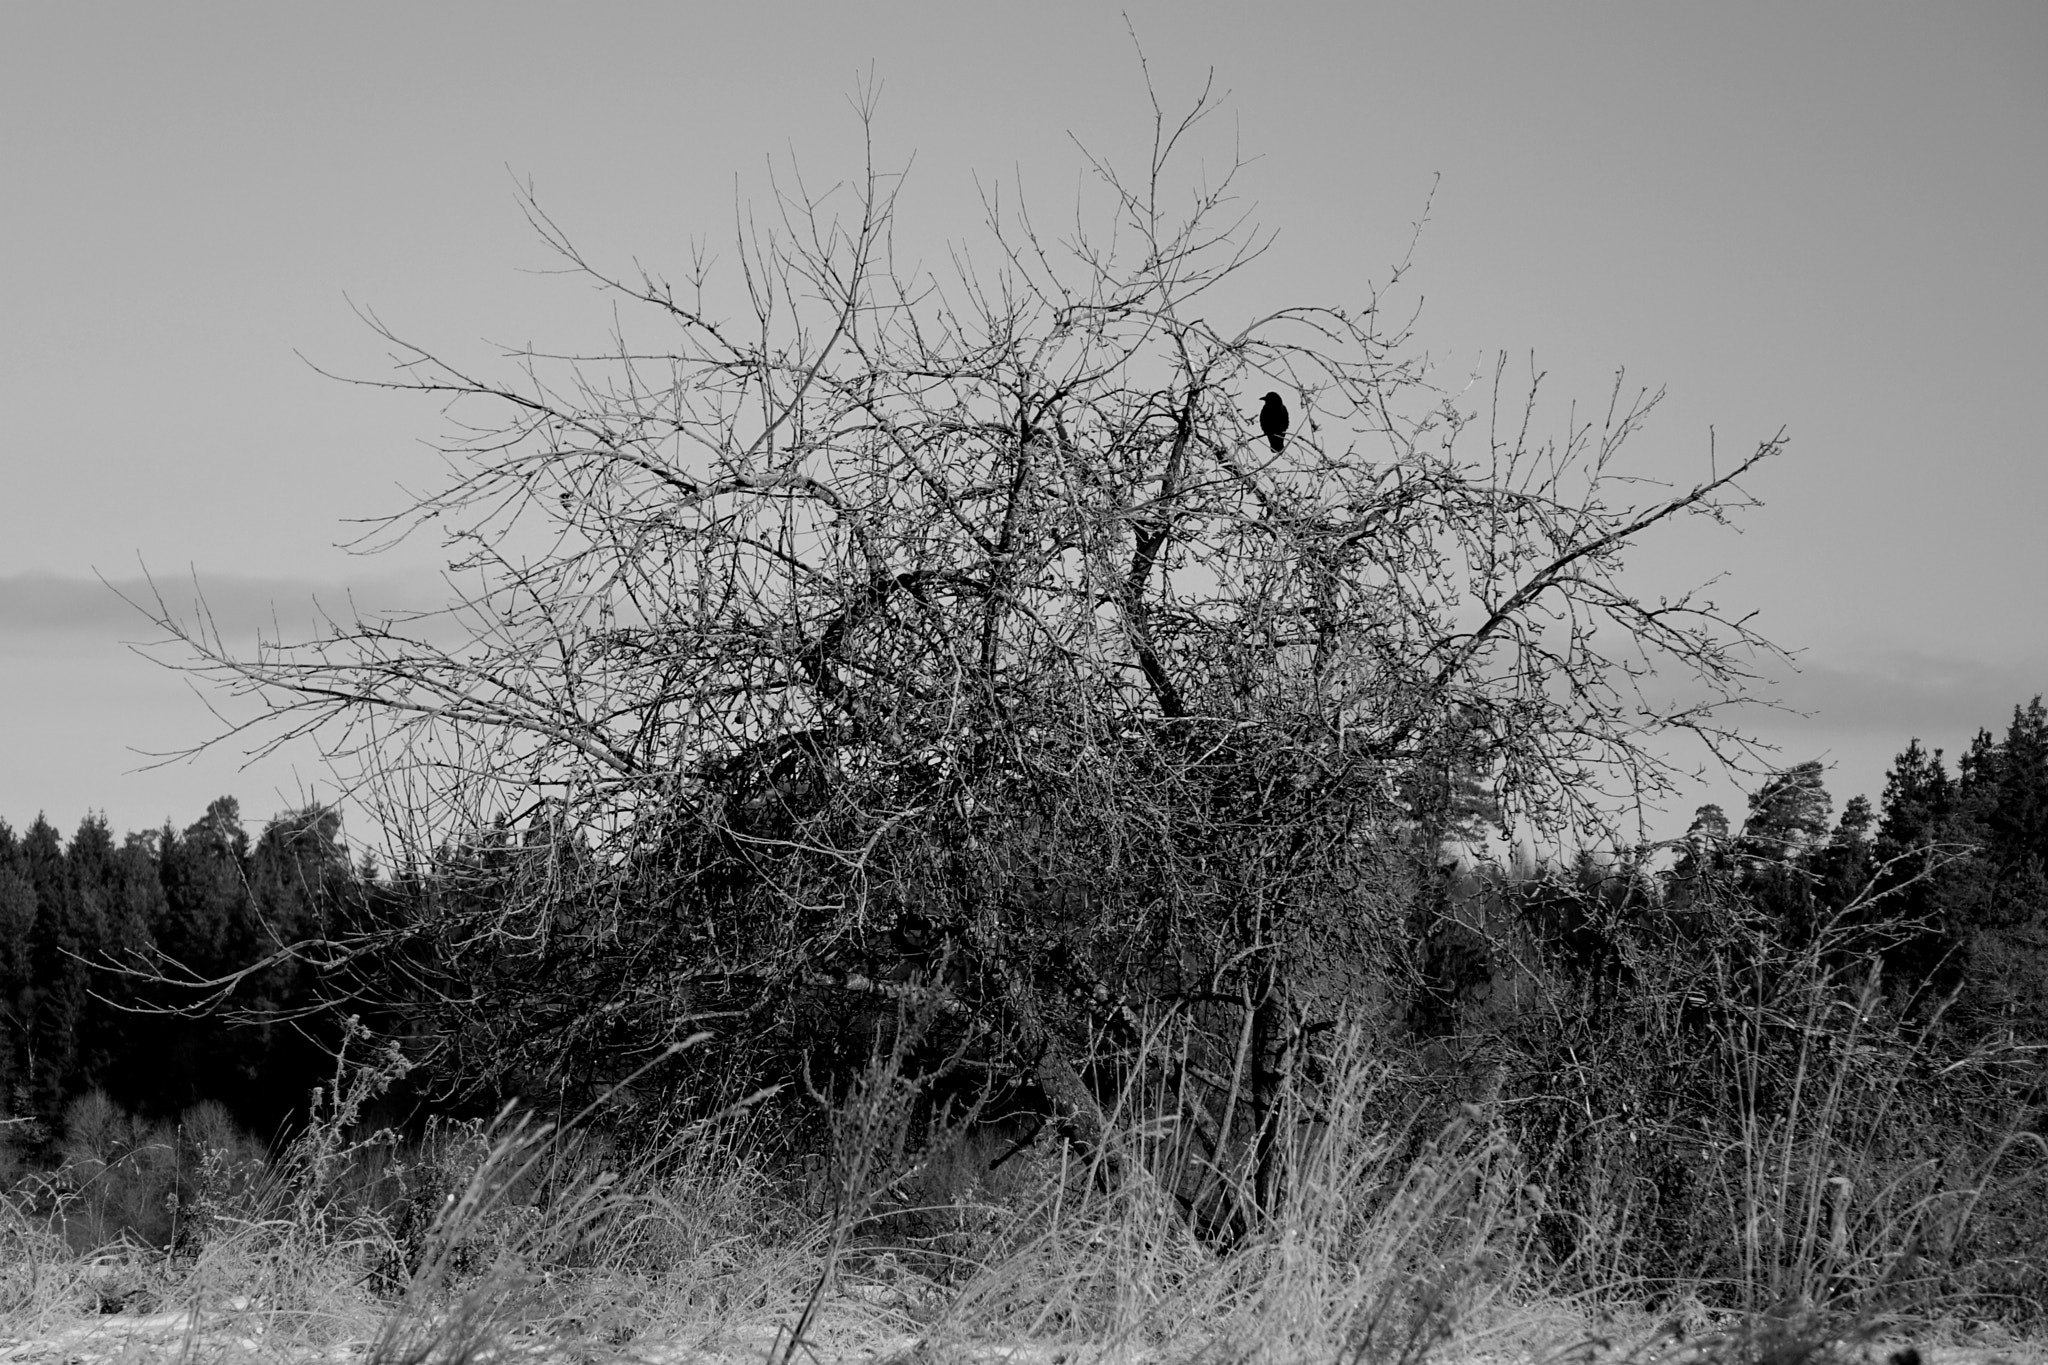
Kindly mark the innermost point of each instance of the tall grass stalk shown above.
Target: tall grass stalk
(1848, 1203)
(1385, 1245)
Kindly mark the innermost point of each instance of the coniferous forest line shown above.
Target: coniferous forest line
(90, 920)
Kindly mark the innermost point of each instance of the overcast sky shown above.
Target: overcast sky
(1826, 217)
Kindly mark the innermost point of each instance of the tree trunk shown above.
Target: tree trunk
(1272, 1067)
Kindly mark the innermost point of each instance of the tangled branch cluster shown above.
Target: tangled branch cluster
(954, 646)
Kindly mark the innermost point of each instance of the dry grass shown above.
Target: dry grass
(485, 1242)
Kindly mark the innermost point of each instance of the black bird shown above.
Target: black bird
(1273, 421)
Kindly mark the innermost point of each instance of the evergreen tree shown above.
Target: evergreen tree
(17, 973)
(1965, 859)
(1920, 832)
(133, 1071)
(300, 878)
(92, 905)
(208, 921)
(56, 998)
(1789, 814)
(1858, 823)
(1705, 860)
(1919, 797)
(2016, 822)
(138, 902)
(1786, 828)
(299, 872)
(1842, 872)
(205, 930)
(2001, 924)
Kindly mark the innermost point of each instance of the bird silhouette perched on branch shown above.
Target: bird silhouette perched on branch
(1273, 421)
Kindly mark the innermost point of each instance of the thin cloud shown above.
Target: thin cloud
(1906, 693)
(1862, 707)
(46, 604)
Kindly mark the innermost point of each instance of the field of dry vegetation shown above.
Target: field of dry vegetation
(1408, 1232)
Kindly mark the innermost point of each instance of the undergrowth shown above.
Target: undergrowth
(1396, 1239)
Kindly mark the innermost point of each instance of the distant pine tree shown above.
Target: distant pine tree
(58, 993)
(2001, 927)
(1965, 858)
(93, 906)
(1789, 814)
(133, 1069)
(208, 922)
(17, 974)
(300, 879)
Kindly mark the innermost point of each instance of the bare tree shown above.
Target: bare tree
(954, 643)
